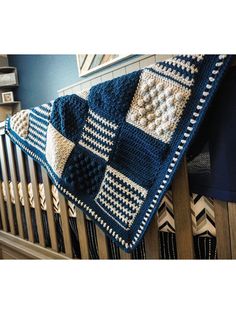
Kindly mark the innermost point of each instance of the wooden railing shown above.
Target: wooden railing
(13, 239)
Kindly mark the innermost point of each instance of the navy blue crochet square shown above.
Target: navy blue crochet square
(114, 97)
(138, 155)
(83, 172)
(68, 116)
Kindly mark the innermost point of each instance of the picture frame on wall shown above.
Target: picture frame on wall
(7, 97)
(89, 63)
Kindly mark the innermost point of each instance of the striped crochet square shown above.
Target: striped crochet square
(98, 135)
(38, 125)
(120, 197)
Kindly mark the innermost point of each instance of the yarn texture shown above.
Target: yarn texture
(114, 152)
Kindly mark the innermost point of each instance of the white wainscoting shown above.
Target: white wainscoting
(125, 67)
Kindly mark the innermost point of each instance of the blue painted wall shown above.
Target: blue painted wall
(40, 76)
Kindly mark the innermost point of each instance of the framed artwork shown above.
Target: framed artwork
(7, 97)
(90, 63)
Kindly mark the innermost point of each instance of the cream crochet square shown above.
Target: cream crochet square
(157, 105)
(20, 123)
(58, 150)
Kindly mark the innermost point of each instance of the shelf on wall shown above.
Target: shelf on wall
(10, 103)
(8, 86)
(8, 81)
(7, 69)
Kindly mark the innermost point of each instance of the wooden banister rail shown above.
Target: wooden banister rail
(182, 213)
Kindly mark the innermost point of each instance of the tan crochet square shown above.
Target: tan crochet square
(157, 105)
(58, 149)
(20, 123)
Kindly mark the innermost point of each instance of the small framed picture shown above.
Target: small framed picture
(7, 97)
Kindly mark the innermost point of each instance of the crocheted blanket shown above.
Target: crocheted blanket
(115, 153)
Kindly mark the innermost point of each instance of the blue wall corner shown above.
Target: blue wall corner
(41, 76)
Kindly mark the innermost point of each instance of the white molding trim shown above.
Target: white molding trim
(105, 71)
